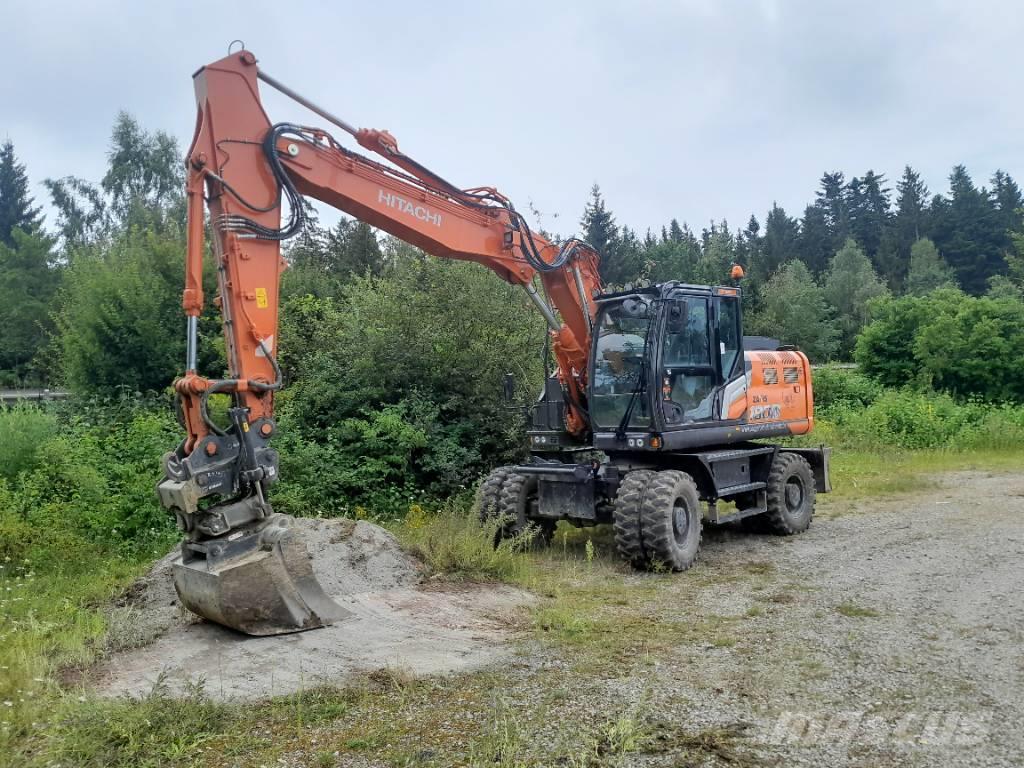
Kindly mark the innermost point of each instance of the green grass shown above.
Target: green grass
(592, 612)
(854, 611)
(860, 474)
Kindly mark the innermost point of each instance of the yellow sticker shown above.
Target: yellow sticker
(261, 298)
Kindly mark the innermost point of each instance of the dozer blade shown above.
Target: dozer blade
(259, 583)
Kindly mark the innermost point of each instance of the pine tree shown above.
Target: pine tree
(16, 209)
(814, 245)
(928, 270)
(967, 230)
(868, 211)
(780, 242)
(717, 255)
(1008, 201)
(832, 199)
(601, 231)
(907, 227)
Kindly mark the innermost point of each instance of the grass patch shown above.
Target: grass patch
(453, 543)
(858, 474)
(156, 730)
(854, 611)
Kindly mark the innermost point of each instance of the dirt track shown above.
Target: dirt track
(889, 634)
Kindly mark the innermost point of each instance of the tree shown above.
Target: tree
(928, 270)
(120, 322)
(601, 231)
(947, 340)
(968, 232)
(793, 309)
(780, 242)
(1008, 202)
(868, 211)
(814, 244)
(28, 280)
(143, 186)
(908, 225)
(832, 199)
(324, 260)
(850, 285)
(885, 348)
(16, 211)
(717, 255)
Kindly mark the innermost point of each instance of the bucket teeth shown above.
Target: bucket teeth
(261, 583)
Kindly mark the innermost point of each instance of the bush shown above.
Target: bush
(908, 419)
(399, 380)
(89, 480)
(838, 388)
(948, 341)
(120, 322)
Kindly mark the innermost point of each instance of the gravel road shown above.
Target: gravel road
(889, 634)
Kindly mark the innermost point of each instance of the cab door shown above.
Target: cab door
(733, 403)
(688, 371)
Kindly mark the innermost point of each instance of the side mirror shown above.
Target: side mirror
(509, 386)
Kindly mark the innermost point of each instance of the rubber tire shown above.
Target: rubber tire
(668, 494)
(784, 518)
(626, 517)
(516, 492)
(489, 494)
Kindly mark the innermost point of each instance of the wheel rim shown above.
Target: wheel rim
(794, 495)
(680, 522)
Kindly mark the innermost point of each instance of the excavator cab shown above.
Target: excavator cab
(662, 357)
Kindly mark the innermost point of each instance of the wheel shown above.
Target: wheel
(626, 517)
(518, 493)
(489, 494)
(670, 520)
(791, 495)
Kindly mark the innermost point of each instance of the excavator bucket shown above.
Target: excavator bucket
(259, 583)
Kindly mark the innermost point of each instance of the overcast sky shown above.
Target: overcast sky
(695, 109)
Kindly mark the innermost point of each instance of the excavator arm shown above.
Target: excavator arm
(240, 564)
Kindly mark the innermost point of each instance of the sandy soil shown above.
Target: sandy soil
(398, 622)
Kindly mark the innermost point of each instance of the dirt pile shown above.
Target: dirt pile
(398, 622)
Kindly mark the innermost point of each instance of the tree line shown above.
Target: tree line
(92, 299)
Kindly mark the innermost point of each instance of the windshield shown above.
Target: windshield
(618, 364)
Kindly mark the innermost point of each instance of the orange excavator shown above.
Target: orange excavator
(647, 423)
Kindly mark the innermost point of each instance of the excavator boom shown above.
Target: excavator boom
(240, 564)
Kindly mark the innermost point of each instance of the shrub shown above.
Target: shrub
(842, 388)
(949, 341)
(91, 478)
(909, 419)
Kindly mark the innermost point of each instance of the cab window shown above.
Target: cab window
(687, 374)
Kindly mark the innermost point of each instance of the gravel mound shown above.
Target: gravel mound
(395, 622)
(349, 557)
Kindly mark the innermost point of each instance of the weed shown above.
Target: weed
(452, 542)
(856, 611)
(154, 730)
